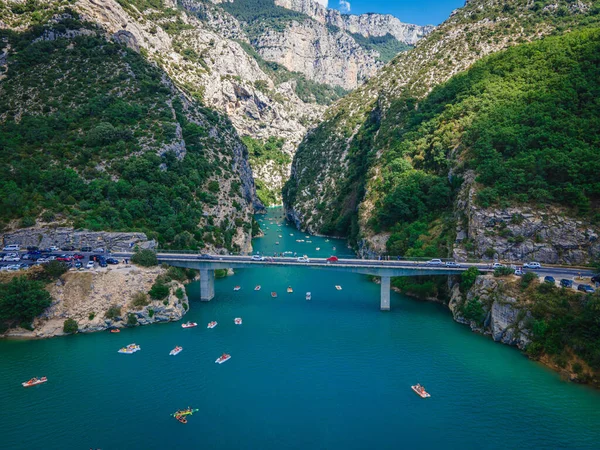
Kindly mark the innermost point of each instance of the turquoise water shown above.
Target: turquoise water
(332, 373)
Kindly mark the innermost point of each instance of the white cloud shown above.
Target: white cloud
(322, 2)
(344, 6)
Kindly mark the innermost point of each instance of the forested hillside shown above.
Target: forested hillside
(388, 159)
(94, 136)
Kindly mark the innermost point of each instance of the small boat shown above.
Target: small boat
(180, 415)
(309, 242)
(257, 287)
(211, 324)
(308, 296)
(237, 288)
(338, 287)
(131, 348)
(176, 351)
(276, 243)
(307, 237)
(35, 381)
(237, 320)
(420, 391)
(334, 248)
(289, 290)
(318, 248)
(326, 240)
(115, 330)
(274, 294)
(224, 357)
(299, 240)
(189, 325)
(280, 236)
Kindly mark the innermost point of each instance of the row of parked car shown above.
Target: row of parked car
(566, 283)
(67, 248)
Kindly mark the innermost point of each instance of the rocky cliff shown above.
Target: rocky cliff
(88, 296)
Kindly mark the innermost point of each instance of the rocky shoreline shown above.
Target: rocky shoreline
(102, 299)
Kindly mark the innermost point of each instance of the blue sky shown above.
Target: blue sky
(421, 12)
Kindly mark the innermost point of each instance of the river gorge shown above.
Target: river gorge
(333, 372)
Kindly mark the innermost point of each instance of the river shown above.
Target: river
(330, 373)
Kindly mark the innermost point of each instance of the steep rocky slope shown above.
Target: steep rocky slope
(94, 136)
(376, 139)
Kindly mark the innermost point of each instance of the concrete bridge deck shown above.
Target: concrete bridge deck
(207, 264)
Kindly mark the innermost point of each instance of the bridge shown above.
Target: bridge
(207, 264)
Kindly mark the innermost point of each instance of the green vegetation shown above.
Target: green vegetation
(158, 291)
(91, 316)
(564, 321)
(473, 311)
(261, 153)
(467, 279)
(503, 271)
(145, 258)
(113, 312)
(70, 326)
(179, 293)
(21, 300)
(527, 279)
(139, 300)
(387, 46)
(185, 306)
(220, 273)
(262, 15)
(53, 270)
(132, 320)
(86, 146)
(426, 287)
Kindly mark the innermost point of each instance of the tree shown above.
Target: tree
(70, 326)
(132, 320)
(54, 269)
(146, 258)
(467, 278)
(158, 291)
(21, 300)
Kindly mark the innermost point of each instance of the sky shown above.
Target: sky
(423, 12)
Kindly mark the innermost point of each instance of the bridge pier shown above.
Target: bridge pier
(385, 293)
(207, 285)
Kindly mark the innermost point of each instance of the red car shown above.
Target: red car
(64, 258)
(78, 256)
(332, 259)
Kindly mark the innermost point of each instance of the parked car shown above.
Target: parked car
(90, 265)
(532, 265)
(585, 288)
(12, 248)
(95, 257)
(12, 257)
(102, 262)
(33, 248)
(303, 259)
(332, 259)
(112, 261)
(98, 250)
(64, 258)
(86, 249)
(54, 248)
(519, 272)
(566, 283)
(257, 258)
(205, 256)
(452, 264)
(78, 256)
(78, 265)
(497, 265)
(550, 280)
(434, 262)
(596, 278)
(42, 260)
(68, 248)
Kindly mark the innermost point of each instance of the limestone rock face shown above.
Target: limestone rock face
(86, 296)
(325, 57)
(522, 233)
(505, 318)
